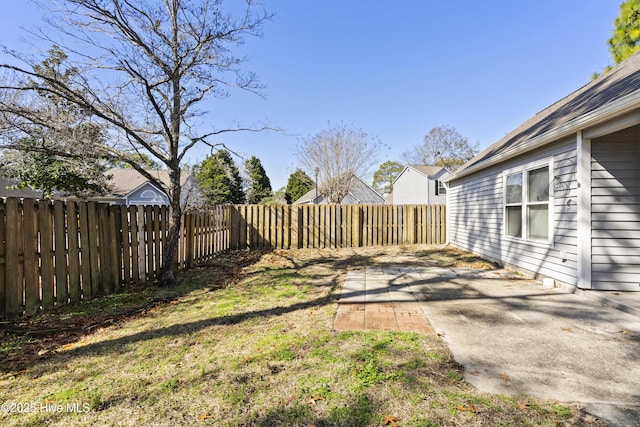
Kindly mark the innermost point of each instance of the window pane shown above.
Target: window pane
(514, 221)
(514, 188)
(442, 190)
(538, 185)
(538, 222)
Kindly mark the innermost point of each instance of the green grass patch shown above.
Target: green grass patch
(248, 340)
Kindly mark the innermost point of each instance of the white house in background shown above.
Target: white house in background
(560, 195)
(419, 185)
(359, 193)
(129, 187)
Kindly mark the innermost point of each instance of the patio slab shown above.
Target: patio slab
(514, 336)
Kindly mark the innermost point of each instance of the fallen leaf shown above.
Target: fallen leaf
(566, 329)
(288, 400)
(205, 416)
(504, 377)
(390, 420)
(314, 400)
(523, 404)
(625, 332)
(468, 407)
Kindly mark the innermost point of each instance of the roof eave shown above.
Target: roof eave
(598, 116)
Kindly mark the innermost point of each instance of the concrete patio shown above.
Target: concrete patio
(512, 335)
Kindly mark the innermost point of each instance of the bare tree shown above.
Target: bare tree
(442, 146)
(337, 153)
(141, 69)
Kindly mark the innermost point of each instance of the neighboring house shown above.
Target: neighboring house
(359, 193)
(419, 184)
(8, 189)
(129, 187)
(560, 195)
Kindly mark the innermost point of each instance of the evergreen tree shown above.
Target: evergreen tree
(384, 176)
(626, 34)
(220, 179)
(259, 185)
(298, 185)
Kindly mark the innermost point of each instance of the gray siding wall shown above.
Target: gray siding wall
(148, 195)
(476, 216)
(615, 211)
(411, 188)
(440, 199)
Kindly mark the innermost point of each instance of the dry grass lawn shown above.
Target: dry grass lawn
(248, 341)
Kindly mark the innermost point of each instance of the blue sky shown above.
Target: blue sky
(396, 69)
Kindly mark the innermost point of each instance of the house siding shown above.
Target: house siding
(476, 216)
(147, 194)
(615, 211)
(412, 187)
(439, 199)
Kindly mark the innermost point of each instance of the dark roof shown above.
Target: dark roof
(6, 190)
(363, 192)
(622, 80)
(124, 181)
(359, 191)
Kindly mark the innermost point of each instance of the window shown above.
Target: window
(527, 204)
(441, 189)
(538, 204)
(513, 207)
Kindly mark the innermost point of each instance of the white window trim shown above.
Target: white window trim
(524, 169)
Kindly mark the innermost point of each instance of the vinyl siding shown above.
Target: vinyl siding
(412, 187)
(476, 216)
(615, 211)
(148, 194)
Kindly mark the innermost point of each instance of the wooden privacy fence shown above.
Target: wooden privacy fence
(55, 253)
(335, 226)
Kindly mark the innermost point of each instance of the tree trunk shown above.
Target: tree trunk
(170, 250)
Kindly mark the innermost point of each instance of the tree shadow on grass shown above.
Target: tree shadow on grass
(30, 340)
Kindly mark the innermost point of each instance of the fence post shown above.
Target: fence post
(30, 245)
(94, 239)
(73, 257)
(157, 240)
(234, 225)
(3, 289)
(125, 233)
(13, 303)
(85, 252)
(443, 220)
(189, 238)
(45, 224)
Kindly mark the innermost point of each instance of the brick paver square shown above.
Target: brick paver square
(380, 301)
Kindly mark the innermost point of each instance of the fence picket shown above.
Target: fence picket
(73, 253)
(60, 252)
(13, 292)
(30, 251)
(3, 285)
(85, 252)
(45, 226)
(94, 239)
(53, 254)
